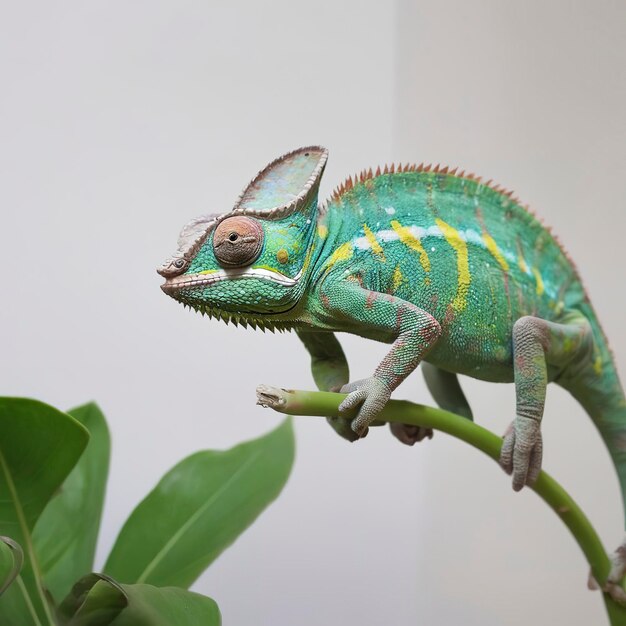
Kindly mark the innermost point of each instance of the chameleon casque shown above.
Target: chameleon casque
(452, 272)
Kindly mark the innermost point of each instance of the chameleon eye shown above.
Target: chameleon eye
(237, 241)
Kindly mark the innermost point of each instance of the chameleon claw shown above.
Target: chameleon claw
(613, 585)
(614, 589)
(616, 592)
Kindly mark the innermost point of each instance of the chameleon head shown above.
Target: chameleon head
(252, 261)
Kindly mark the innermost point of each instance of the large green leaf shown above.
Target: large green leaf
(97, 600)
(199, 508)
(39, 445)
(65, 535)
(11, 560)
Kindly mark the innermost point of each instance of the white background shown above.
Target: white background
(119, 121)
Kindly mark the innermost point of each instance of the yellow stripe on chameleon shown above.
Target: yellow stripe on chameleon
(462, 261)
(342, 253)
(492, 246)
(540, 287)
(322, 231)
(373, 242)
(411, 241)
(307, 259)
(208, 272)
(597, 365)
(397, 279)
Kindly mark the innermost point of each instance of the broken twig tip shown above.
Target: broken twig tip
(270, 397)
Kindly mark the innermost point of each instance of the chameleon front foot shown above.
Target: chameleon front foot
(522, 451)
(410, 434)
(370, 395)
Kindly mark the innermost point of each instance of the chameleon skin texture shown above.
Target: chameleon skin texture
(446, 269)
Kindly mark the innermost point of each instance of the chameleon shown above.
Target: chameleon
(454, 273)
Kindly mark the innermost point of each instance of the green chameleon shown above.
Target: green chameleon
(451, 271)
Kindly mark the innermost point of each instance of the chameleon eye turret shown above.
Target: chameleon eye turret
(237, 241)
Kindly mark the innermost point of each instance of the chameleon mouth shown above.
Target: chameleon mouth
(178, 283)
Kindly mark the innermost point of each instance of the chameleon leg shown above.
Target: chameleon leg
(330, 371)
(538, 344)
(373, 313)
(447, 393)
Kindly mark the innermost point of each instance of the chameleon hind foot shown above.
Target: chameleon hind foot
(410, 434)
(522, 451)
(538, 343)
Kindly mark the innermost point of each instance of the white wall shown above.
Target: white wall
(532, 95)
(121, 120)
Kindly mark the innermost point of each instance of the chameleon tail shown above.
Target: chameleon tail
(598, 389)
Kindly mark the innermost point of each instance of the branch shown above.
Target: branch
(325, 404)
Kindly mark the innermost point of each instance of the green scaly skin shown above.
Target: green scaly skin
(450, 271)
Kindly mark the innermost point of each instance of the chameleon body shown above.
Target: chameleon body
(451, 272)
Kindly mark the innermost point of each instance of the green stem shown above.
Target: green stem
(324, 404)
(28, 602)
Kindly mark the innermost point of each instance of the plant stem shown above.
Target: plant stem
(27, 601)
(325, 404)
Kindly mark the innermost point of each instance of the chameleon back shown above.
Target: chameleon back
(467, 252)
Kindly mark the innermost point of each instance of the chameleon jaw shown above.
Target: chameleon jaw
(174, 284)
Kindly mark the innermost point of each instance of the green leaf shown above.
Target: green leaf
(11, 560)
(167, 606)
(65, 535)
(97, 600)
(39, 445)
(199, 508)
